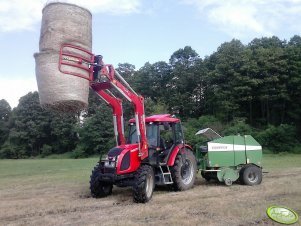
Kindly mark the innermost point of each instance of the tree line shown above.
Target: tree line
(248, 89)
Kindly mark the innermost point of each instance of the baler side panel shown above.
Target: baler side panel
(221, 152)
(239, 150)
(253, 150)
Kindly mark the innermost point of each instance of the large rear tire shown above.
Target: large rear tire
(144, 184)
(184, 173)
(251, 175)
(99, 188)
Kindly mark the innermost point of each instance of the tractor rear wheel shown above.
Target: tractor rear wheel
(99, 188)
(184, 172)
(251, 175)
(144, 184)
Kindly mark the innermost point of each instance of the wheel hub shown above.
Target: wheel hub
(149, 185)
(187, 172)
(253, 177)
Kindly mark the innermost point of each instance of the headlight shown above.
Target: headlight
(109, 164)
(104, 158)
(109, 161)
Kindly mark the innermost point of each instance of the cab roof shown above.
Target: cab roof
(158, 118)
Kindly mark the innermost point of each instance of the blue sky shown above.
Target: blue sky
(140, 31)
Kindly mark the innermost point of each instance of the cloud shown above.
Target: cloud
(240, 18)
(12, 89)
(109, 6)
(17, 15)
(23, 14)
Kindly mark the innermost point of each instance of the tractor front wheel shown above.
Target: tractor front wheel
(251, 175)
(144, 184)
(184, 172)
(99, 188)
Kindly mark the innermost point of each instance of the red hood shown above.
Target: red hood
(125, 147)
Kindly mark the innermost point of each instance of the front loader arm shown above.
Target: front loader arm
(116, 105)
(138, 102)
(103, 77)
(119, 84)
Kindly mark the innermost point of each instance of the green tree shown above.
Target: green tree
(5, 114)
(227, 82)
(30, 131)
(63, 137)
(280, 138)
(294, 82)
(96, 131)
(268, 54)
(193, 125)
(153, 80)
(126, 70)
(152, 108)
(34, 127)
(185, 91)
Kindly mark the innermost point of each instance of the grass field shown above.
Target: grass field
(56, 192)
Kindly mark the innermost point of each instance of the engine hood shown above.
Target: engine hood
(117, 150)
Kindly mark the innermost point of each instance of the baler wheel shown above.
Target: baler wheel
(251, 175)
(99, 188)
(241, 175)
(228, 182)
(144, 184)
(183, 174)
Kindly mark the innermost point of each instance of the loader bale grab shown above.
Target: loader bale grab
(61, 23)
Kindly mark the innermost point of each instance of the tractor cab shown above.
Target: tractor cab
(163, 133)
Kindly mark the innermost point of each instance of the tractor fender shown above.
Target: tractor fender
(175, 152)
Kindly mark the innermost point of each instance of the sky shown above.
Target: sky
(140, 31)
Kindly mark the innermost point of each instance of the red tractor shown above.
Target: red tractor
(154, 152)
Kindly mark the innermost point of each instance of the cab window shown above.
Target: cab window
(179, 138)
(166, 136)
(151, 134)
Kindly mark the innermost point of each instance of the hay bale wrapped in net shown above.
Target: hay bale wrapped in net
(57, 90)
(62, 23)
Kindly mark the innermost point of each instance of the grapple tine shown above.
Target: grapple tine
(75, 60)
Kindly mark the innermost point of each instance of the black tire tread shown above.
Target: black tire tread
(176, 172)
(241, 173)
(97, 186)
(245, 174)
(139, 193)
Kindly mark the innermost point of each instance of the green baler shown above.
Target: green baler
(230, 158)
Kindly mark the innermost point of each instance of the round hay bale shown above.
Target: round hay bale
(65, 23)
(59, 91)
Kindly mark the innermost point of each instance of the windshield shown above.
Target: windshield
(151, 133)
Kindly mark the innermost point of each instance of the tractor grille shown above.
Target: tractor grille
(109, 170)
(105, 169)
